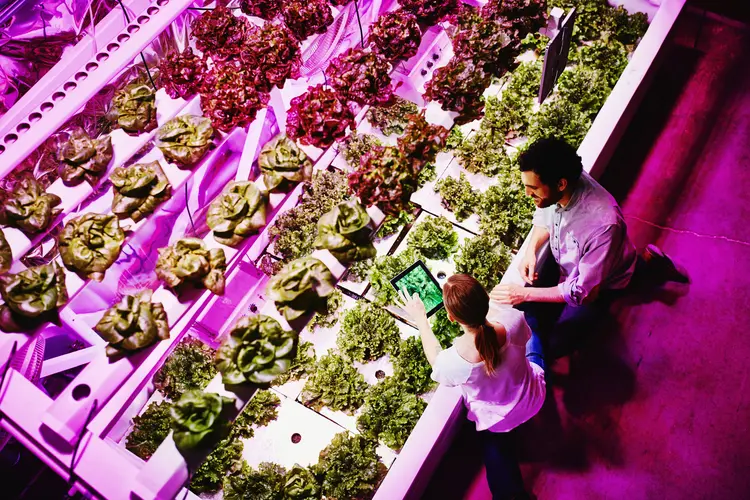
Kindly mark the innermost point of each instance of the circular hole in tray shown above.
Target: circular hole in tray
(102, 56)
(123, 38)
(112, 47)
(81, 391)
(441, 275)
(253, 308)
(423, 72)
(143, 19)
(380, 374)
(58, 96)
(11, 138)
(133, 28)
(296, 438)
(35, 117)
(152, 11)
(162, 3)
(2, 149)
(81, 76)
(69, 86)
(92, 66)
(23, 128)
(46, 106)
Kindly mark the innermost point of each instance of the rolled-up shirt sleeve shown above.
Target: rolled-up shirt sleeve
(597, 260)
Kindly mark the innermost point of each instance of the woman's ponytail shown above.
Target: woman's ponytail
(488, 346)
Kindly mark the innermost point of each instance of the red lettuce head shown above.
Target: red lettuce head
(307, 17)
(275, 52)
(265, 9)
(421, 142)
(230, 95)
(219, 29)
(429, 11)
(458, 86)
(384, 179)
(181, 73)
(396, 35)
(519, 17)
(488, 45)
(319, 117)
(361, 75)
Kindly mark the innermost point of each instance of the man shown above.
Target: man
(588, 240)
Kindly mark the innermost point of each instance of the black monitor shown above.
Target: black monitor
(556, 56)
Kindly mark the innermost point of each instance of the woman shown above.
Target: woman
(499, 367)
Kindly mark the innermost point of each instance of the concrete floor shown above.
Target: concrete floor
(655, 406)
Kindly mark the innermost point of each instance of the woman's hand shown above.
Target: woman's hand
(413, 307)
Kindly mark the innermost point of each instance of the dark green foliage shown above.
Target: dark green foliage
(505, 211)
(225, 460)
(260, 411)
(393, 223)
(336, 384)
(525, 80)
(483, 152)
(331, 316)
(484, 258)
(411, 370)
(434, 237)
(561, 119)
(458, 196)
(444, 330)
(149, 430)
(629, 28)
(350, 468)
(190, 366)
(367, 333)
(384, 269)
(585, 88)
(608, 57)
(264, 483)
(390, 413)
(507, 116)
(303, 364)
(392, 120)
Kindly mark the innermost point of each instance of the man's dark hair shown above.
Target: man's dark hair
(552, 159)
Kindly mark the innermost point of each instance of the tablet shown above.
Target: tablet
(418, 279)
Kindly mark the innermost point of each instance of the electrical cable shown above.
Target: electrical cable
(688, 232)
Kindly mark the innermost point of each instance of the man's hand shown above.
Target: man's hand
(527, 266)
(509, 294)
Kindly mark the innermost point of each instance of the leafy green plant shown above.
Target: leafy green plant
(185, 139)
(505, 211)
(390, 413)
(526, 79)
(585, 88)
(391, 118)
(225, 460)
(189, 260)
(296, 229)
(458, 87)
(6, 254)
(301, 286)
(434, 237)
(90, 244)
(562, 119)
(444, 329)
(139, 189)
(593, 17)
(331, 315)
(300, 484)
(257, 350)
(31, 293)
(629, 28)
(484, 258)
(427, 174)
(265, 483)
(359, 270)
(133, 324)
(411, 370)
(199, 419)
(27, 207)
(455, 138)
(609, 57)
(345, 232)
(261, 410)
(488, 44)
(367, 333)
(150, 429)
(384, 179)
(506, 117)
(349, 467)
(302, 365)
(458, 196)
(483, 152)
(83, 158)
(319, 117)
(335, 384)
(238, 212)
(421, 142)
(190, 366)
(386, 268)
(393, 223)
(396, 35)
(283, 163)
(536, 42)
(135, 107)
(355, 146)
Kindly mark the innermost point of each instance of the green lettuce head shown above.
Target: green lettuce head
(6, 254)
(135, 106)
(345, 232)
(90, 244)
(283, 162)
(84, 158)
(257, 350)
(28, 208)
(238, 212)
(139, 189)
(189, 260)
(132, 324)
(199, 419)
(302, 286)
(300, 484)
(185, 139)
(35, 291)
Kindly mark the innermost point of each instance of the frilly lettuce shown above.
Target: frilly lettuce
(139, 189)
(185, 139)
(132, 324)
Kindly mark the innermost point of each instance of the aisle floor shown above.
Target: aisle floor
(655, 406)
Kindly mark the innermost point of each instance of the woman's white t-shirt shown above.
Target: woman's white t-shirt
(513, 394)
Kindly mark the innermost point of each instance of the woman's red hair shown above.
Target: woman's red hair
(467, 301)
